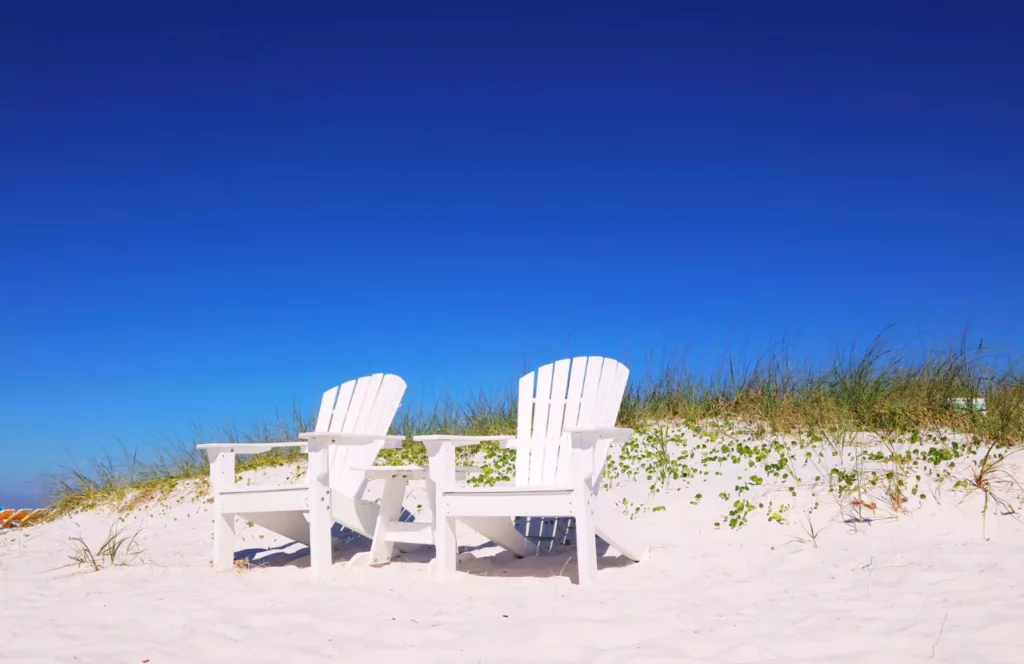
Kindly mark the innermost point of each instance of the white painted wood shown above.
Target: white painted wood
(384, 395)
(502, 489)
(617, 434)
(249, 448)
(363, 415)
(358, 410)
(591, 387)
(502, 531)
(223, 540)
(586, 537)
(565, 424)
(507, 504)
(441, 454)
(614, 528)
(447, 557)
(582, 391)
(292, 525)
(537, 442)
(389, 514)
(270, 499)
(542, 403)
(222, 471)
(551, 442)
(412, 472)
(388, 472)
(614, 377)
(574, 399)
(584, 445)
(329, 406)
(335, 422)
(460, 441)
(412, 532)
(559, 392)
(319, 507)
(243, 491)
(222, 477)
(354, 513)
(351, 428)
(524, 428)
(350, 439)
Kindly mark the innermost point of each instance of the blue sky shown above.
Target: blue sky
(208, 212)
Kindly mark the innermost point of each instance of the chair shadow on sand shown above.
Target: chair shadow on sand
(554, 554)
(345, 544)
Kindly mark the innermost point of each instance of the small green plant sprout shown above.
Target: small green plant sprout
(777, 515)
(118, 549)
(739, 514)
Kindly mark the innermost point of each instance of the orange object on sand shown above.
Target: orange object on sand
(31, 516)
(15, 519)
(5, 515)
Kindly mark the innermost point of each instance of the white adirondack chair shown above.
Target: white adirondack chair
(350, 431)
(566, 423)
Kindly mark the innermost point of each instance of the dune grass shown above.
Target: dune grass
(118, 548)
(876, 389)
(127, 479)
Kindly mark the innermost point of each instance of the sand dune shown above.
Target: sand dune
(928, 586)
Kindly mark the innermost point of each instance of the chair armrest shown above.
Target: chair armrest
(349, 438)
(247, 448)
(459, 441)
(611, 434)
(441, 454)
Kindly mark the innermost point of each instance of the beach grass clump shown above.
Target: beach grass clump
(875, 389)
(119, 548)
(126, 480)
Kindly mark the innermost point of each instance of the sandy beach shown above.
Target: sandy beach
(935, 584)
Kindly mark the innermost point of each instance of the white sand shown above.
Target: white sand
(926, 587)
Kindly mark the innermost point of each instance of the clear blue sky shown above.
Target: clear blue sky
(211, 209)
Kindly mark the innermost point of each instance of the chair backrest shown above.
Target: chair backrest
(365, 405)
(582, 392)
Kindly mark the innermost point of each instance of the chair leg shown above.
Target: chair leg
(223, 540)
(615, 529)
(502, 531)
(390, 512)
(222, 476)
(586, 540)
(447, 554)
(441, 472)
(320, 522)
